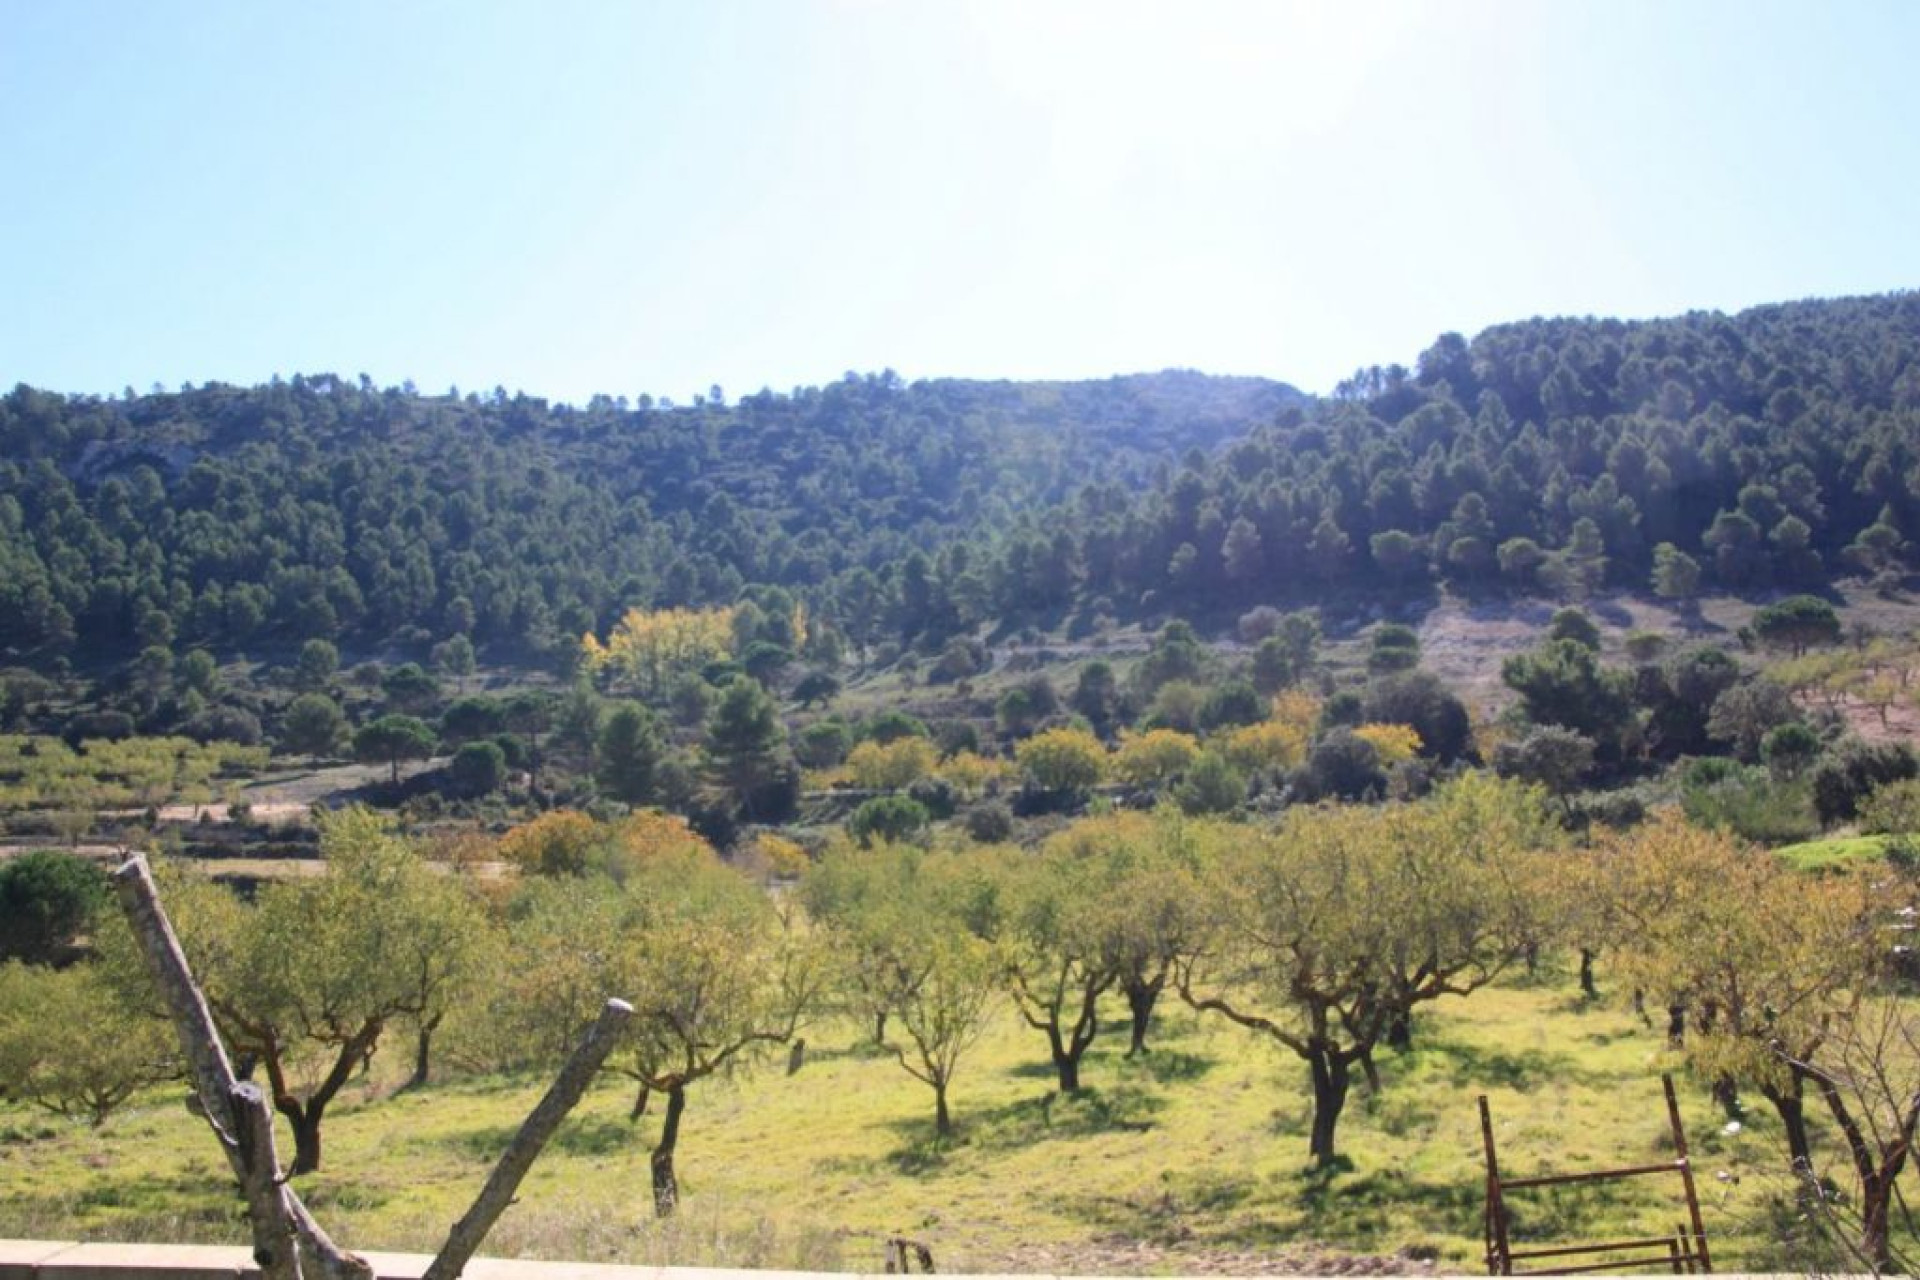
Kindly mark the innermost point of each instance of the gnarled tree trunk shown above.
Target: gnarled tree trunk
(423, 1051)
(666, 1188)
(1331, 1077)
(1141, 997)
(1791, 1106)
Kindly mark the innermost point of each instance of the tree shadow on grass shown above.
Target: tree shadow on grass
(1047, 1117)
(580, 1135)
(1184, 1207)
(1160, 1066)
(185, 1206)
(145, 1191)
(1465, 1065)
(1366, 1211)
(1167, 1066)
(924, 1153)
(1060, 1116)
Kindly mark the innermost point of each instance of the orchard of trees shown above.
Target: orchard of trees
(1037, 702)
(1324, 934)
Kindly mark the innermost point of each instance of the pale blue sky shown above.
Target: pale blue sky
(629, 197)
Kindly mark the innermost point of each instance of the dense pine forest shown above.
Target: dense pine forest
(1775, 448)
(324, 508)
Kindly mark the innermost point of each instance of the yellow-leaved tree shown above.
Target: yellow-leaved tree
(1062, 761)
(1779, 981)
(648, 647)
(892, 766)
(1393, 743)
(1153, 758)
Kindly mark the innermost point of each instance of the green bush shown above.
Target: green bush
(478, 769)
(1747, 801)
(48, 900)
(889, 818)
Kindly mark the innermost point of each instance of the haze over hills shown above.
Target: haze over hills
(1775, 448)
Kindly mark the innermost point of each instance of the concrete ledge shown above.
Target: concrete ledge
(145, 1262)
(69, 1260)
(20, 1259)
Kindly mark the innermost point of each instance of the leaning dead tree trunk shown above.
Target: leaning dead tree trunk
(566, 1089)
(285, 1234)
(240, 1119)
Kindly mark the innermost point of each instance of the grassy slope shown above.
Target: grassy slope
(1813, 855)
(1197, 1149)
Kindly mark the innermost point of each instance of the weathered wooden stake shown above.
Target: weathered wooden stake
(279, 1254)
(902, 1253)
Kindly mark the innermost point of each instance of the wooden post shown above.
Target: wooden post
(519, 1156)
(285, 1234)
(278, 1255)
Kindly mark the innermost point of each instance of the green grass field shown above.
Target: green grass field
(1192, 1154)
(1813, 855)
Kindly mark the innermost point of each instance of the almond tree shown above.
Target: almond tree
(1749, 948)
(938, 996)
(1056, 956)
(908, 929)
(1336, 926)
(1787, 978)
(1867, 1071)
(444, 957)
(72, 1044)
(715, 972)
(307, 981)
(1142, 897)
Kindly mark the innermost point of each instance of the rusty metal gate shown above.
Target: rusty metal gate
(1685, 1251)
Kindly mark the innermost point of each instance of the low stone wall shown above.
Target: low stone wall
(68, 1260)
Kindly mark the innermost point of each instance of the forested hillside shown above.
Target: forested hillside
(319, 507)
(1772, 448)
(1776, 448)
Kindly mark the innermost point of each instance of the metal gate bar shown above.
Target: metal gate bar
(1685, 1251)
